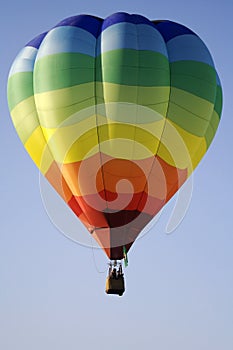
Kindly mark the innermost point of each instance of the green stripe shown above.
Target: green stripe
(63, 70)
(135, 76)
(133, 58)
(192, 103)
(134, 68)
(196, 69)
(20, 87)
(212, 128)
(195, 86)
(127, 67)
(187, 120)
(195, 77)
(218, 101)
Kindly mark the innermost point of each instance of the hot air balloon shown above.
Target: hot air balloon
(116, 113)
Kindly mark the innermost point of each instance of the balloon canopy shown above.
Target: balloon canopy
(116, 113)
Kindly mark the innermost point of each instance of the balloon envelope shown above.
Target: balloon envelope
(116, 113)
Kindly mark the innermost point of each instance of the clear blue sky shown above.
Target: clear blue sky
(179, 286)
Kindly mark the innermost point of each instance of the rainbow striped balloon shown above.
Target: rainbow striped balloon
(116, 113)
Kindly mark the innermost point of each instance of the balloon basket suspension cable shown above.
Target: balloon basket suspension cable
(94, 259)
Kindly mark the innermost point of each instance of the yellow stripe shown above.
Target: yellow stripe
(214, 120)
(22, 110)
(141, 95)
(38, 150)
(181, 149)
(61, 98)
(54, 107)
(77, 142)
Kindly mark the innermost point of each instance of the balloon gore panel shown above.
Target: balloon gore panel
(116, 113)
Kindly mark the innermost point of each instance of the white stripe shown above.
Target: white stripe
(24, 61)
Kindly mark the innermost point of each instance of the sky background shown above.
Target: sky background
(179, 286)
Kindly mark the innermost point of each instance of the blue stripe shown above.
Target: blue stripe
(188, 47)
(89, 23)
(24, 61)
(37, 40)
(170, 30)
(126, 35)
(125, 17)
(218, 80)
(68, 39)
